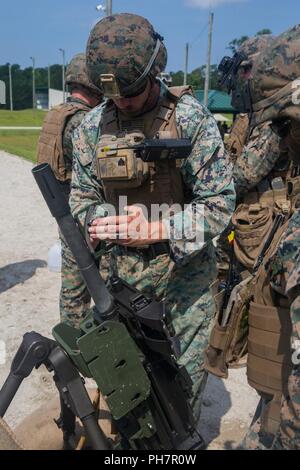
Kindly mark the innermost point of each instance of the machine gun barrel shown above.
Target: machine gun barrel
(60, 210)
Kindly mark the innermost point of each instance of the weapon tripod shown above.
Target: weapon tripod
(36, 350)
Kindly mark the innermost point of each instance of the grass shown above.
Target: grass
(24, 143)
(230, 117)
(26, 117)
(21, 143)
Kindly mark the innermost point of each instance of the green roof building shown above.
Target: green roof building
(218, 101)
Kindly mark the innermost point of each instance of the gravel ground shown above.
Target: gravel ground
(29, 301)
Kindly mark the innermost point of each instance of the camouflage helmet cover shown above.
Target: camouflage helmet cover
(76, 73)
(252, 47)
(126, 46)
(276, 76)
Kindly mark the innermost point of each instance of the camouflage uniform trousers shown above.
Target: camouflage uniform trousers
(257, 438)
(288, 435)
(75, 300)
(189, 303)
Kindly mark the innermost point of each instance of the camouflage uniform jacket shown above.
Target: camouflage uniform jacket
(207, 173)
(71, 125)
(183, 279)
(259, 157)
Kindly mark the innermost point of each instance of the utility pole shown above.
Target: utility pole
(49, 84)
(33, 83)
(49, 77)
(186, 67)
(63, 73)
(207, 73)
(10, 88)
(108, 7)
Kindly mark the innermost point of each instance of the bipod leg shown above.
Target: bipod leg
(67, 422)
(32, 352)
(75, 399)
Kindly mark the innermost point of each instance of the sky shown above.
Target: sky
(39, 28)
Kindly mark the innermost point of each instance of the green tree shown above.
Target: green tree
(196, 78)
(177, 78)
(235, 44)
(22, 83)
(263, 31)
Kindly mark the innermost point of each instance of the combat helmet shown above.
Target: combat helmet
(252, 47)
(76, 73)
(275, 86)
(122, 52)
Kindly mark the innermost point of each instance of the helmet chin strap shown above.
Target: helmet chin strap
(136, 84)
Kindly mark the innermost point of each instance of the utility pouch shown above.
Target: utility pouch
(228, 341)
(118, 166)
(252, 225)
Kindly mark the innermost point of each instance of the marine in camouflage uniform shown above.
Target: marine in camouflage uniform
(183, 275)
(261, 154)
(273, 89)
(56, 148)
(255, 152)
(239, 135)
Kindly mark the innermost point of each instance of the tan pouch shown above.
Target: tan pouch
(252, 225)
(228, 344)
(118, 167)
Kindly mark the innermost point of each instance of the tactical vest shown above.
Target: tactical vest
(269, 351)
(238, 136)
(50, 146)
(253, 219)
(162, 183)
(228, 345)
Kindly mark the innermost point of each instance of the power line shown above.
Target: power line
(199, 35)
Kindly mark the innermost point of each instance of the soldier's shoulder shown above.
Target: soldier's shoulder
(192, 115)
(91, 121)
(191, 106)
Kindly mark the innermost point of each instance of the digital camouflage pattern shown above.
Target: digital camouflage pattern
(258, 158)
(240, 130)
(285, 270)
(71, 125)
(255, 152)
(185, 277)
(123, 45)
(261, 146)
(252, 47)
(74, 298)
(273, 73)
(272, 87)
(76, 73)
